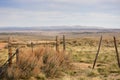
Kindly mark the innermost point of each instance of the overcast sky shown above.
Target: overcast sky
(25, 13)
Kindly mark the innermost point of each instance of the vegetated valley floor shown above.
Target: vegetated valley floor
(83, 48)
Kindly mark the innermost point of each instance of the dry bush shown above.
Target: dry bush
(54, 62)
(29, 65)
(42, 60)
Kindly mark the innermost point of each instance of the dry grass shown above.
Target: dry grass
(2, 45)
(83, 55)
(44, 60)
(51, 63)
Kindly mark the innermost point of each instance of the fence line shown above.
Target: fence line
(10, 55)
(32, 45)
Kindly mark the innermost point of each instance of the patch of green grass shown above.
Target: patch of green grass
(103, 71)
(93, 73)
(41, 77)
(71, 72)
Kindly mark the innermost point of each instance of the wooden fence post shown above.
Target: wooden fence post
(57, 44)
(17, 55)
(32, 46)
(9, 51)
(97, 52)
(46, 43)
(64, 45)
(117, 54)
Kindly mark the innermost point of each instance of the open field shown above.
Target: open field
(82, 47)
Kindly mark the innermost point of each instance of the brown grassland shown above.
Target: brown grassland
(45, 63)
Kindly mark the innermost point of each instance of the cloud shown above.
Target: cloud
(70, 1)
(10, 16)
(15, 17)
(61, 12)
(69, 5)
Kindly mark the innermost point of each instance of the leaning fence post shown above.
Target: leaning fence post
(97, 52)
(17, 55)
(117, 54)
(64, 45)
(57, 44)
(9, 51)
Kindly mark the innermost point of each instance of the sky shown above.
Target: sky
(27, 13)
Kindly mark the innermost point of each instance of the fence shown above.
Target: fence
(8, 63)
(116, 49)
(57, 42)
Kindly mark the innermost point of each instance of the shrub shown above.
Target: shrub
(42, 60)
(54, 62)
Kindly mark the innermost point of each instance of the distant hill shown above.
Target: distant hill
(56, 28)
(46, 28)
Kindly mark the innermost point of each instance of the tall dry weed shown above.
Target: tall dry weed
(41, 60)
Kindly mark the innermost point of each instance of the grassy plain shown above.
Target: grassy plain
(82, 48)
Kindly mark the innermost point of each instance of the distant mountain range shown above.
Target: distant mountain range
(47, 28)
(55, 28)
